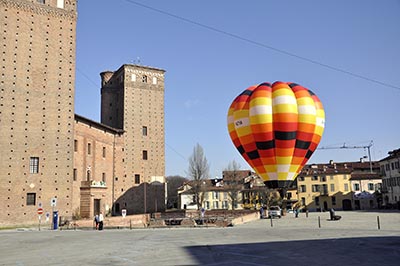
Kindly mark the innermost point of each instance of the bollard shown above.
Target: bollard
(270, 217)
(319, 221)
(379, 224)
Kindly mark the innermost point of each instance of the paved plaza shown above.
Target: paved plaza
(354, 240)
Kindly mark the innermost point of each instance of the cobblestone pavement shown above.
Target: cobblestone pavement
(354, 240)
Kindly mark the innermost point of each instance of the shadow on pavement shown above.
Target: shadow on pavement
(365, 251)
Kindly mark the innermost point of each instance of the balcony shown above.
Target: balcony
(93, 184)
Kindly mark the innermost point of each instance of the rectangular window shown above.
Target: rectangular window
(103, 177)
(314, 178)
(300, 178)
(215, 195)
(75, 145)
(289, 195)
(137, 179)
(60, 3)
(133, 77)
(216, 205)
(34, 165)
(332, 187)
(322, 178)
(370, 186)
(75, 175)
(104, 152)
(154, 80)
(144, 131)
(303, 188)
(144, 155)
(331, 177)
(303, 201)
(40, 1)
(315, 188)
(89, 148)
(346, 187)
(356, 187)
(31, 199)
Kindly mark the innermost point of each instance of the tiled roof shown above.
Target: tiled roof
(365, 176)
(392, 154)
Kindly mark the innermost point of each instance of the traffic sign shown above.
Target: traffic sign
(40, 211)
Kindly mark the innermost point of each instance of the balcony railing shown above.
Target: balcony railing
(94, 184)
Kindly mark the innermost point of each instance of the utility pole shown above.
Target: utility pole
(344, 146)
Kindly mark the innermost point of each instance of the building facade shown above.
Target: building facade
(56, 160)
(132, 99)
(338, 186)
(390, 171)
(37, 82)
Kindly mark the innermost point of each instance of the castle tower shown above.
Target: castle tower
(132, 99)
(37, 62)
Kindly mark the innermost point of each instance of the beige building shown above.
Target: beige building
(49, 154)
(390, 171)
(215, 196)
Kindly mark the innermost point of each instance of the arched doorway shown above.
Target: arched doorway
(346, 205)
(325, 206)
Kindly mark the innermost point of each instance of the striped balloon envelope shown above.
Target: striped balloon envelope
(276, 128)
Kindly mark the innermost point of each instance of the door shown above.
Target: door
(347, 205)
(96, 206)
(325, 205)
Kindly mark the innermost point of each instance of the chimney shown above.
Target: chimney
(105, 77)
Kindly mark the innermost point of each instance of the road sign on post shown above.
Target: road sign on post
(40, 212)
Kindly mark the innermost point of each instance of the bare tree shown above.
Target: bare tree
(198, 171)
(233, 181)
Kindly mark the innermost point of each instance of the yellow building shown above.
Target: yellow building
(337, 185)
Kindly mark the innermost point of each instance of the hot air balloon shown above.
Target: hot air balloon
(276, 128)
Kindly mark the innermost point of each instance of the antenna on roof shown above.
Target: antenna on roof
(137, 61)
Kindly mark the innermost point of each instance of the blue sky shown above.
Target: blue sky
(206, 69)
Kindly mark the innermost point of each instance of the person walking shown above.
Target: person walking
(96, 220)
(101, 221)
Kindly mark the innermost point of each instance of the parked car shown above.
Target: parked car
(274, 211)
